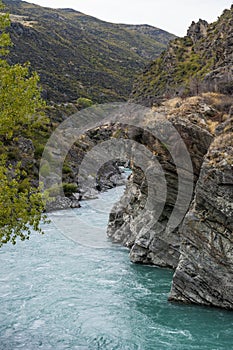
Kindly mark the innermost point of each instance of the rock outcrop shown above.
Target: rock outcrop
(202, 61)
(201, 248)
(192, 119)
(205, 271)
(197, 30)
(60, 203)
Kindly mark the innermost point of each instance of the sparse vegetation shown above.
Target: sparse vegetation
(69, 188)
(84, 102)
(79, 56)
(199, 62)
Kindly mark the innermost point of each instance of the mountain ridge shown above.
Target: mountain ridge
(77, 55)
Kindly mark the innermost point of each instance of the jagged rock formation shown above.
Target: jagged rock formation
(205, 271)
(77, 55)
(201, 61)
(193, 119)
(200, 249)
(198, 30)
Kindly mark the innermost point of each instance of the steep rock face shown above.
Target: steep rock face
(158, 245)
(201, 61)
(198, 30)
(205, 271)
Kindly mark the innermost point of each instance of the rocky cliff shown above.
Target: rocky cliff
(200, 248)
(205, 271)
(199, 62)
(192, 119)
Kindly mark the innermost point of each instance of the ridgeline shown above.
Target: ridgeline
(77, 55)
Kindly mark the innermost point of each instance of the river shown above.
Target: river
(58, 294)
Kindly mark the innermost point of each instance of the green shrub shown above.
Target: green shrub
(39, 149)
(13, 155)
(69, 188)
(66, 169)
(84, 102)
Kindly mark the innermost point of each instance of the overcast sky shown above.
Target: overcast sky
(174, 16)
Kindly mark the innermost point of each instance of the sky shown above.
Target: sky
(175, 16)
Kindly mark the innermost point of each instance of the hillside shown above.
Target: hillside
(201, 61)
(80, 56)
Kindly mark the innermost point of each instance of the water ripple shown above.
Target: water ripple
(56, 294)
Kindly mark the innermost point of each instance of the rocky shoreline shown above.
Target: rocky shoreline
(111, 176)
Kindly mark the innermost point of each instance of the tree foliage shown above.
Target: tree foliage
(20, 99)
(21, 206)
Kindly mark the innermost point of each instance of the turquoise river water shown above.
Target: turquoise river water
(59, 294)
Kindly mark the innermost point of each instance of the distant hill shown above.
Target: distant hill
(201, 61)
(80, 56)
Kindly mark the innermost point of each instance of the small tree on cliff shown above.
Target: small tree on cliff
(20, 203)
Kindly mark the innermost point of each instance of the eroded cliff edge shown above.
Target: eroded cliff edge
(205, 271)
(200, 249)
